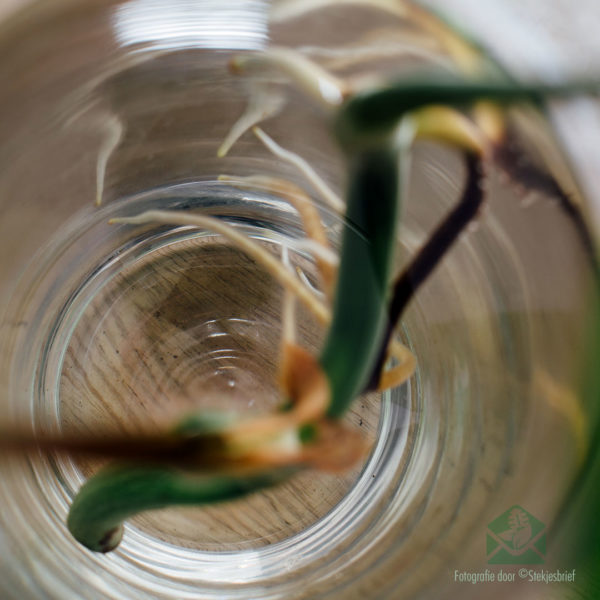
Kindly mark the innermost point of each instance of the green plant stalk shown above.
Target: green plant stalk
(119, 492)
(360, 310)
(374, 112)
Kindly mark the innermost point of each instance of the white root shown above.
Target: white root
(307, 282)
(304, 167)
(311, 220)
(252, 249)
(316, 82)
(113, 132)
(464, 54)
(264, 103)
(379, 45)
(398, 351)
(322, 253)
(288, 311)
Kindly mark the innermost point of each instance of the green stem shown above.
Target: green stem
(117, 493)
(360, 305)
(376, 112)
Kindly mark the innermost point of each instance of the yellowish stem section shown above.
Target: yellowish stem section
(446, 124)
(568, 405)
(402, 371)
(489, 117)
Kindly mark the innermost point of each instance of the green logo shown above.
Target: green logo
(516, 537)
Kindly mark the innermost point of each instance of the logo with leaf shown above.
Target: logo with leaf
(519, 532)
(516, 537)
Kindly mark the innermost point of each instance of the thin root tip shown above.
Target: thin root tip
(235, 65)
(123, 220)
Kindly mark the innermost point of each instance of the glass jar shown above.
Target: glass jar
(114, 107)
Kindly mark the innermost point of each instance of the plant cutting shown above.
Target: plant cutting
(213, 457)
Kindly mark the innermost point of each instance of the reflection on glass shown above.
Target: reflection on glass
(235, 24)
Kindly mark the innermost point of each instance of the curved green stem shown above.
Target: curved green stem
(374, 113)
(117, 493)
